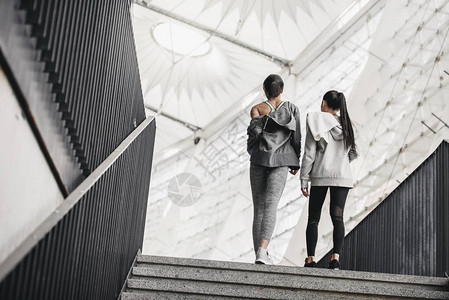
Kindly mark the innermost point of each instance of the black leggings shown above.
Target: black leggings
(337, 205)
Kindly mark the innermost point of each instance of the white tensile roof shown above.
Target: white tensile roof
(202, 65)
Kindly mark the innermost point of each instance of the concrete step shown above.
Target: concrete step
(146, 295)
(179, 289)
(179, 278)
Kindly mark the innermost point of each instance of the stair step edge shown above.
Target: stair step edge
(215, 264)
(266, 279)
(146, 295)
(239, 290)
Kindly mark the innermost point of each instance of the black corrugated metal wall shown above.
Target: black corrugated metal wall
(408, 233)
(73, 68)
(88, 254)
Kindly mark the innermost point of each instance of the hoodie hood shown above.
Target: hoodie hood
(321, 122)
(280, 118)
(337, 133)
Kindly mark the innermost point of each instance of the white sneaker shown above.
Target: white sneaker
(262, 257)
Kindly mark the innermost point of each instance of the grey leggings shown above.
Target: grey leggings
(267, 185)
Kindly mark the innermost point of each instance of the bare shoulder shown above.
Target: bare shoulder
(259, 110)
(255, 111)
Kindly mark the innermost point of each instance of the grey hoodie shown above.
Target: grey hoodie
(325, 161)
(274, 140)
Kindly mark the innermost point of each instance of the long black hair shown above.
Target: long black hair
(273, 85)
(337, 100)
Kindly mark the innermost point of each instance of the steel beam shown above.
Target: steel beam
(284, 63)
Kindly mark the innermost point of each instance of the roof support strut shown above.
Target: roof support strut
(188, 125)
(284, 63)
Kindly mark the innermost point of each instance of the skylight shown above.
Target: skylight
(180, 40)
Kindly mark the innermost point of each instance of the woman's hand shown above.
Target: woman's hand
(293, 172)
(305, 192)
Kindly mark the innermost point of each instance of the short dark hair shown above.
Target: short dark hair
(273, 85)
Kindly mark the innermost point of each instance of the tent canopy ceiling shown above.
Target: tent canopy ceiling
(388, 57)
(247, 39)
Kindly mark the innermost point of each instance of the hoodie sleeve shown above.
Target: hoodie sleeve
(308, 157)
(254, 131)
(296, 137)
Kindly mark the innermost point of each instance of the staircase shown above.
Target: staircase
(154, 277)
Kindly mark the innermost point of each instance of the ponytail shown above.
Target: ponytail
(336, 100)
(346, 124)
(273, 86)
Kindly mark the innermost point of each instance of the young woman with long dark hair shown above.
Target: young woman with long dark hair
(274, 143)
(329, 149)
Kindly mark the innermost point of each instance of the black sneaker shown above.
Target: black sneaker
(311, 264)
(334, 264)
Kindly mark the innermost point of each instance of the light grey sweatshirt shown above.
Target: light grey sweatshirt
(325, 160)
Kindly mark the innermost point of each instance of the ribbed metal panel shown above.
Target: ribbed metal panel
(408, 233)
(75, 64)
(88, 253)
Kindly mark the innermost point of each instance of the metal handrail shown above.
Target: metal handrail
(45, 227)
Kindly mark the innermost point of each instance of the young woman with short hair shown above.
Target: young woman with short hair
(274, 143)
